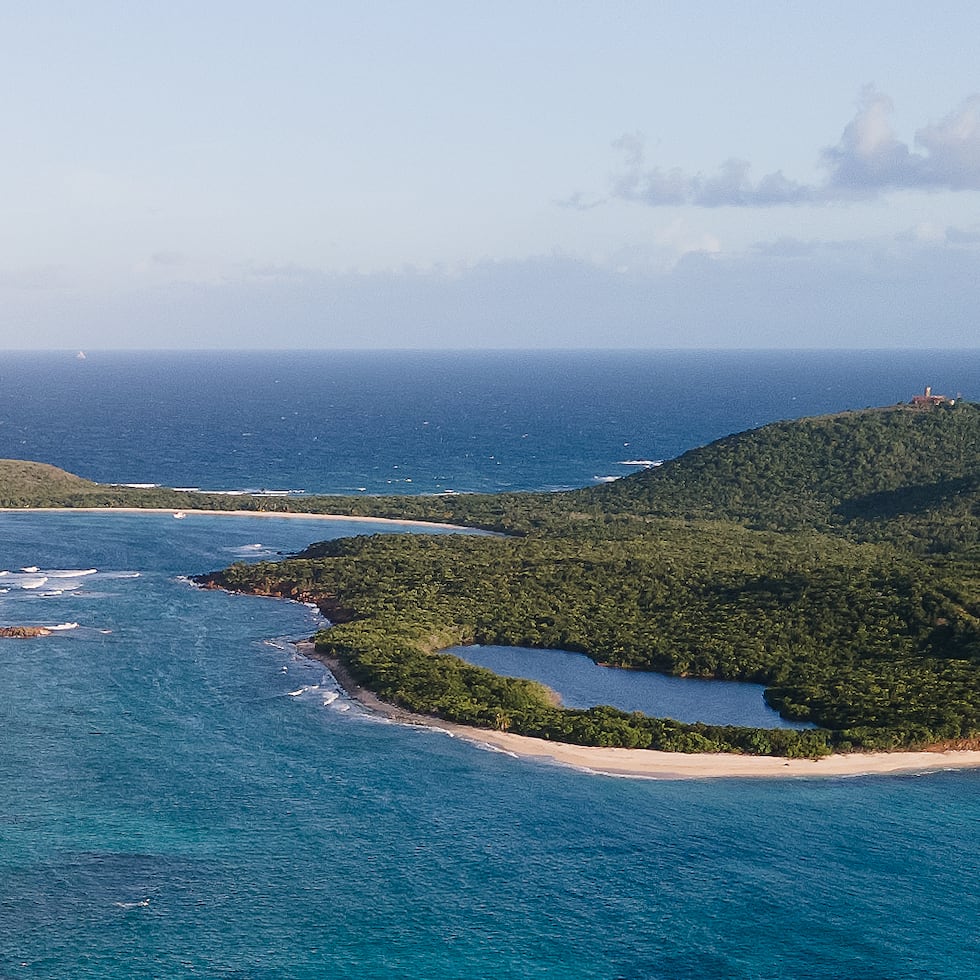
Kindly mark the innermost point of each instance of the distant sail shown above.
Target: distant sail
(80, 356)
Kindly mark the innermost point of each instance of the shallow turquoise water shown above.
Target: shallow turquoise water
(185, 797)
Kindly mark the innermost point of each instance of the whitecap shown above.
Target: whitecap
(69, 572)
(489, 747)
(133, 905)
(31, 568)
(33, 583)
(303, 690)
(251, 551)
(64, 626)
(51, 595)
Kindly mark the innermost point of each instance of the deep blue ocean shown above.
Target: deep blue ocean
(186, 796)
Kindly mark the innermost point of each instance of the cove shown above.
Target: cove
(582, 683)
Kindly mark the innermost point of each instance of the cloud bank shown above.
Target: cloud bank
(868, 160)
(914, 290)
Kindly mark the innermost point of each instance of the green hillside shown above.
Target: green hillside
(844, 473)
(23, 483)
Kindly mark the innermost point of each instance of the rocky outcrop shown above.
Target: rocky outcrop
(23, 632)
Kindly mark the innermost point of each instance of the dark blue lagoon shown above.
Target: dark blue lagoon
(582, 683)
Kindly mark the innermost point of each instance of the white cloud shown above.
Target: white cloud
(730, 187)
(41, 278)
(869, 159)
(681, 240)
(953, 147)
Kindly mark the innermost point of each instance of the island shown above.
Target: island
(835, 560)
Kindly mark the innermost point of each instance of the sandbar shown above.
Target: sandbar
(189, 512)
(651, 764)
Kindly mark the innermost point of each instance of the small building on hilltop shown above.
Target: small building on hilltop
(928, 399)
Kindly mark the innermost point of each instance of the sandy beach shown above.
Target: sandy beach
(173, 511)
(650, 764)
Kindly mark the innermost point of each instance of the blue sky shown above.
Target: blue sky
(453, 174)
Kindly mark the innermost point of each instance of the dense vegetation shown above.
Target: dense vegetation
(902, 474)
(835, 560)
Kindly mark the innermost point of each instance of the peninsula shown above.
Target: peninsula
(835, 560)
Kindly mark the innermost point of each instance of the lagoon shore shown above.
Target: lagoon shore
(651, 764)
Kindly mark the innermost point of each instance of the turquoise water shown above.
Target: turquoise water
(184, 796)
(582, 683)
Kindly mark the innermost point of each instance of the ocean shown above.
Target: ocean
(187, 796)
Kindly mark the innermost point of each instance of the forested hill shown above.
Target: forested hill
(900, 464)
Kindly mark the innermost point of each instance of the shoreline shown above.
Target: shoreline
(650, 763)
(636, 763)
(191, 512)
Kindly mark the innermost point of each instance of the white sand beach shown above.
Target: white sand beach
(650, 764)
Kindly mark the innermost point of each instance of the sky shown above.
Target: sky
(217, 174)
